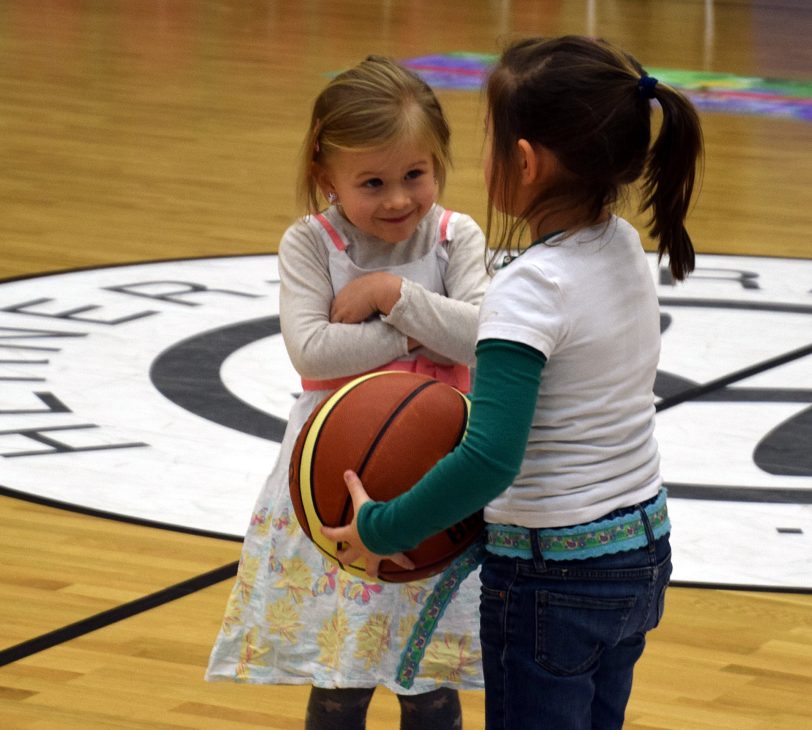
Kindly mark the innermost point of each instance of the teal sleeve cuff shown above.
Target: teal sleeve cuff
(503, 402)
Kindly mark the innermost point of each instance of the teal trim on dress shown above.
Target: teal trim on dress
(432, 611)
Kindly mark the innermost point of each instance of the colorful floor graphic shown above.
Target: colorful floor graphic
(709, 91)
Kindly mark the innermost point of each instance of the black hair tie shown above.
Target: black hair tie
(645, 86)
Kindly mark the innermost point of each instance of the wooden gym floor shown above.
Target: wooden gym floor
(155, 130)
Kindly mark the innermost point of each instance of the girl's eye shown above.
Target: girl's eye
(414, 174)
(374, 182)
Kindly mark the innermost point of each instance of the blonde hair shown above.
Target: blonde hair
(376, 103)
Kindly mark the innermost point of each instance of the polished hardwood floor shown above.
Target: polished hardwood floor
(159, 129)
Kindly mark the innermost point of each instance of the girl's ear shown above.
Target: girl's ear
(322, 178)
(528, 164)
(537, 164)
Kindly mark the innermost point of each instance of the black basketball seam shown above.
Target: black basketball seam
(381, 431)
(441, 560)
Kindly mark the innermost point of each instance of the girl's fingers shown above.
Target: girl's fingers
(355, 487)
(336, 534)
(401, 560)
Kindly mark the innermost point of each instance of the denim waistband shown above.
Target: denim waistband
(621, 530)
(627, 531)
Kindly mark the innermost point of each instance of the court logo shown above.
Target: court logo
(160, 391)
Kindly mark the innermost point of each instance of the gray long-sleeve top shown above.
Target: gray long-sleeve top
(445, 325)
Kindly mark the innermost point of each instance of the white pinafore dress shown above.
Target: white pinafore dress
(293, 617)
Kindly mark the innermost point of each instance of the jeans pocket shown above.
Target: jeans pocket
(662, 585)
(572, 630)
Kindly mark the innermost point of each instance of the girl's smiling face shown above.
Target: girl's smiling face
(385, 191)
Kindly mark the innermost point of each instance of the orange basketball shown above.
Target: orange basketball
(390, 428)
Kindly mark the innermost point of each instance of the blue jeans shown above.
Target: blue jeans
(560, 638)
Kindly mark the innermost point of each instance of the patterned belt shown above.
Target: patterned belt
(611, 535)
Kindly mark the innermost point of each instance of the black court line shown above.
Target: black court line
(193, 585)
(720, 493)
(114, 615)
(125, 264)
(740, 587)
(745, 304)
(92, 512)
(226, 572)
(719, 383)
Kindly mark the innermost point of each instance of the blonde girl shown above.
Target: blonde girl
(381, 278)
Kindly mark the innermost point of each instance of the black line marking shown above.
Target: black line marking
(719, 383)
(800, 590)
(722, 493)
(114, 615)
(92, 512)
(125, 264)
(759, 395)
(734, 304)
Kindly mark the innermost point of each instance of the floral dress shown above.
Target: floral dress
(294, 617)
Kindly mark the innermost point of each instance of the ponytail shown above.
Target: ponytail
(669, 179)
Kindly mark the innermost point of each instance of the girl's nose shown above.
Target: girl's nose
(397, 199)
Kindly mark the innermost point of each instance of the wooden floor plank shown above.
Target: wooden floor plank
(147, 671)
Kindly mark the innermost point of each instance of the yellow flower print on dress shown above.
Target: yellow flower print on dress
(373, 639)
(331, 638)
(233, 613)
(241, 592)
(246, 577)
(283, 619)
(405, 628)
(414, 593)
(251, 653)
(449, 658)
(296, 577)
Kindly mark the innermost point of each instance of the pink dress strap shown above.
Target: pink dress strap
(444, 220)
(332, 232)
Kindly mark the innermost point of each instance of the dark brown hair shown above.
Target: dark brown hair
(582, 99)
(376, 103)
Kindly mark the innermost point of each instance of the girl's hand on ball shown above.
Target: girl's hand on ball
(348, 535)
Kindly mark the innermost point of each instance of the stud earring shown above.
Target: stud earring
(332, 198)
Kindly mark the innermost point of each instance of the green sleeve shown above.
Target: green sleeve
(485, 463)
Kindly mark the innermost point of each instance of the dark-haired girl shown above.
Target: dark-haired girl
(560, 447)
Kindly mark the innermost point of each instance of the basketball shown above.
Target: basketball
(390, 428)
